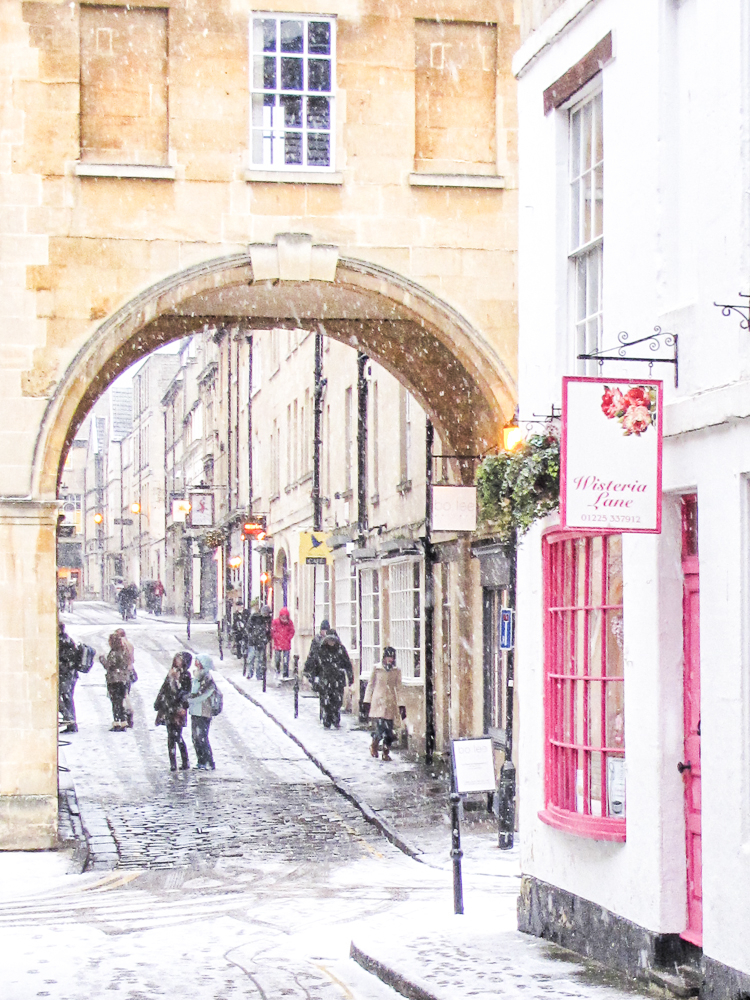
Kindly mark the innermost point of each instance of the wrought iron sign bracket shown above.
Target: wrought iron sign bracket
(742, 309)
(658, 340)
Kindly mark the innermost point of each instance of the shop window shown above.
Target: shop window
(322, 594)
(346, 603)
(369, 590)
(584, 705)
(455, 80)
(293, 83)
(124, 85)
(406, 617)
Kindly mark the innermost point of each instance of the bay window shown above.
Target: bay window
(584, 685)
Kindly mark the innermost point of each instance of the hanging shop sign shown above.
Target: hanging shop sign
(454, 508)
(314, 549)
(201, 510)
(180, 510)
(610, 471)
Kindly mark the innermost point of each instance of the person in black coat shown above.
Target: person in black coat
(312, 663)
(171, 708)
(258, 637)
(69, 660)
(335, 673)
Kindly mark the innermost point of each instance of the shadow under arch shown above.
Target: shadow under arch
(451, 369)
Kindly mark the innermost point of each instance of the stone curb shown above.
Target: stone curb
(342, 787)
(389, 976)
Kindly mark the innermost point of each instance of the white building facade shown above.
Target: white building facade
(635, 170)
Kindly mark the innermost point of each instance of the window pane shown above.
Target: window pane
(319, 75)
(598, 196)
(586, 182)
(598, 130)
(292, 148)
(586, 146)
(575, 144)
(292, 111)
(291, 36)
(319, 37)
(318, 149)
(318, 112)
(291, 74)
(264, 72)
(264, 35)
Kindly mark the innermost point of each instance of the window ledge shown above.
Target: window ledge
(124, 170)
(292, 177)
(456, 180)
(593, 827)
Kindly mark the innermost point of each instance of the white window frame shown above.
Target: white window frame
(405, 612)
(585, 245)
(370, 618)
(345, 576)
(271, 129)
(322, 594)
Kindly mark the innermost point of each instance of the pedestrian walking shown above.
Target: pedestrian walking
(282, 633)
(384, 696)
(335, 673)
(158, 592)
(171, 707)
(69, 660)
(133, 676)
(117, 666)
(258, 637)
(204, 703)
(311, 669)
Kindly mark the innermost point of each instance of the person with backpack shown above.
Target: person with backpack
(282, 633)
(69, 662)
(171, 707)
(205, 701)
(117, 667)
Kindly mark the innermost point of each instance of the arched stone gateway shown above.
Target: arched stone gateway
(454, 373)
(452, 370)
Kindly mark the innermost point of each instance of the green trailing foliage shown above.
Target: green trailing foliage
(516, 488)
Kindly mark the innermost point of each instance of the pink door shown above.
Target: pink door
(690, 765)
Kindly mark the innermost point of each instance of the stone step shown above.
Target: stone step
(674, 983)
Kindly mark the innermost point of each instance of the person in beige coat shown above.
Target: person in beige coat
(384, 697)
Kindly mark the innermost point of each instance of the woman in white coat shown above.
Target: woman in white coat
(384, 696)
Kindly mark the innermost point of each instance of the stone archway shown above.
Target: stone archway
(447, 364)
(451, 369)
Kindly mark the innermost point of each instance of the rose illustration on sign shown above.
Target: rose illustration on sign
(634, 409)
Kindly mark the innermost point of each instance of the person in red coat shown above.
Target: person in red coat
(282, 633)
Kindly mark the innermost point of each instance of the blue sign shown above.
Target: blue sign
(507, 628)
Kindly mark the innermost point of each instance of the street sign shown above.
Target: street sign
(123, 520)
(507, 628)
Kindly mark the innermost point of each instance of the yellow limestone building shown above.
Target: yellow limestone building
(168, 165)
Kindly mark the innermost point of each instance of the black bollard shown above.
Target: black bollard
(506, 794)
(456, 854)
(265, 671)
(296, 685)
(221, 643)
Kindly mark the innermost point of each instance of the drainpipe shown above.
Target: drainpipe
(429, 602)
(362, 360)
(317, 426)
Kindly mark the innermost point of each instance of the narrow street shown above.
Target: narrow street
(256, 879)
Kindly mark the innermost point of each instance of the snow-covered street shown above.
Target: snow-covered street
(255, 879)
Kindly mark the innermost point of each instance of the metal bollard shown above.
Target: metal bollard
(456, 854)
(221, 643)
(265, 671)
(296, 685)
(506, 794)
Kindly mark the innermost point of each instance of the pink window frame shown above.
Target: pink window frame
(561, 756)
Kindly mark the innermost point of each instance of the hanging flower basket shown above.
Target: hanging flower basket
(515, 489)
(213, 538)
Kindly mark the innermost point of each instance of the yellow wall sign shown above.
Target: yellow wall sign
(313, 548)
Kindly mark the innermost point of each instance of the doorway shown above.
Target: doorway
(690, 765)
